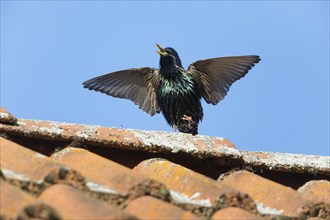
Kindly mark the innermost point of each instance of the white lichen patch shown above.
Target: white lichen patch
(232, 151)
(195, 196)
(184, 199)
(54, 129)
(294, 162)
(175, 142)
(265, 210)
(87, 131)
(21, 122)
(9, 174)
(99, 188)
(39, 155)
(4, 115)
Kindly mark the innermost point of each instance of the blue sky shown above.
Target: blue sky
(49, 48)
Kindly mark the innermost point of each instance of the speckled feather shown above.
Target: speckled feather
(177, 96)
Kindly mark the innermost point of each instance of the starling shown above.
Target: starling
(171, 89)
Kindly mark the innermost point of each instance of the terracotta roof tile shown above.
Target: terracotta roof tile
(270, 194)
(150, 141)
(292, 163)
(319, 210)
(106, 176)
(318, 190)
(33, 171)
(6, 117)
(74, 204)
(147, 207)
(187, 186)
(219, 149)
(315, 218)
(13, 200)
(38, 211)
(100, 177)
(24, 165)
(234, 213)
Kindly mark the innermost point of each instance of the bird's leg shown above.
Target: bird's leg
(174, 128)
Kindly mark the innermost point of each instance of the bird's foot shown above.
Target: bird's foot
(186, 118)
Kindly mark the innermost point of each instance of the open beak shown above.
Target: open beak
(161, 51)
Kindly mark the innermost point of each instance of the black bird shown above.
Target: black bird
(171, 89)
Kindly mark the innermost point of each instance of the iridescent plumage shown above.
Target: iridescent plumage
(172, 90)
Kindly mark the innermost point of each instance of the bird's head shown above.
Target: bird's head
(168, 56)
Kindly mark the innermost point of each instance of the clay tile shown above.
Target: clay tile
(184, 182)
(318, 190)
(6, 117)
(315, 210)
(270, 196)
(292, 163)
(20, 163)
(148, 207)
(147, 141)
(40, 211)
(13, 199)
(234, 213)
(102, 175)
(315, 218)
(71, 203)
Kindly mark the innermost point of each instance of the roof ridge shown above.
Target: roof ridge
(199, 146)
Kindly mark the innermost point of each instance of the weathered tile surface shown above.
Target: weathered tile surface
(74, 204)
(105, 176)
(6, 117)
(20, 163)
(198, 146)
(194, 186)
(13, 199)
(318, 190)
(78, 184)
(189, 187)
(234, 213)
(270, 194)
(151, 208)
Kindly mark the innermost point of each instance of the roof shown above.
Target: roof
(57, 170)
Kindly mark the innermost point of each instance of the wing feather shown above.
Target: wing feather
(215, 76)
(137, 84)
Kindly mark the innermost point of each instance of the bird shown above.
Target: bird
(173, 90)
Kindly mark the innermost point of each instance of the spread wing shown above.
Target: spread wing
(137, 84)
(215, 76)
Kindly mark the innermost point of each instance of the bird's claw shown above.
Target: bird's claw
(186, 118)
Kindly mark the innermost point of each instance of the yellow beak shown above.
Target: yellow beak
(161, 50)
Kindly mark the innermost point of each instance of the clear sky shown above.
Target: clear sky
(48, 48)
